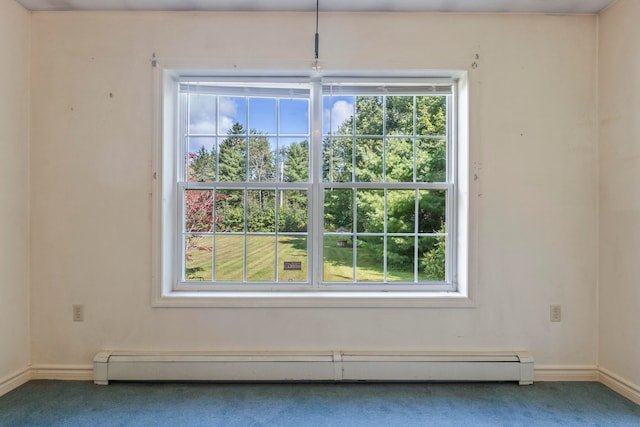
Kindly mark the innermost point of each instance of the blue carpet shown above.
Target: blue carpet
(69, 403)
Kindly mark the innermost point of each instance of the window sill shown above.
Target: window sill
(321, 299)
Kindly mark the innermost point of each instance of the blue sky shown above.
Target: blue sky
(261, 115)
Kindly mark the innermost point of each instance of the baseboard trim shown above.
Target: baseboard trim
(541, 373)
(62, 372)
(566, 373)
(14, 381)
(619, 385)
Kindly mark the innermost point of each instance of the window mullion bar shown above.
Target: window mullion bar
(385, 194)
(214, 235)
(244, 244)
(315, 206)
(385, 238)
(183, 131)
(416, 257)
(414, 140)
(451, 219)
(354, 243)
(182, 250)
(416, 221)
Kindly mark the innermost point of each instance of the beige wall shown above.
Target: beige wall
(14, 189)
(619, 167)
(533, 137)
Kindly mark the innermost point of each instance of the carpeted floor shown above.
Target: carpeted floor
(69, 403)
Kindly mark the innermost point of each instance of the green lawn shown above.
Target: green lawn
(261, 260)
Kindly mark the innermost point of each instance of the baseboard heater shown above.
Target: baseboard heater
(317, 366)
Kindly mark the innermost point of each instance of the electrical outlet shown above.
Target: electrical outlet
(78, 313)
(555, 312)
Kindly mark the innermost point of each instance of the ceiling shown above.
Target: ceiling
(482, 6)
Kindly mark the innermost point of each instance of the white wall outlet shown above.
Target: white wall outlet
(555, 312)
(78, 313)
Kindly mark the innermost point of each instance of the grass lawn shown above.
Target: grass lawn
(261, 260)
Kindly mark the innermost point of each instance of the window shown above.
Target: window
(297, 184)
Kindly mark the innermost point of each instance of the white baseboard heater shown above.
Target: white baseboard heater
(317, 366)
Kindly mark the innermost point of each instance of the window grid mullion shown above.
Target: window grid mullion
(315, 237)
(354, 234)
(417, 192)
(386, 236)
(183, 130)
(214, 232)
(385, 195)
(415, 234)
(244, 237)
(451, 179)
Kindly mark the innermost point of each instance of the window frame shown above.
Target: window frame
(165, 216)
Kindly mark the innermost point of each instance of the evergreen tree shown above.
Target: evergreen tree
(232, 157)
(296, 162)
(203, 165)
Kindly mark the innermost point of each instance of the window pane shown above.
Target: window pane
(262, 115)
(201, 159)
(401, 211)
(198, 263)
(432, 211)
(202, 114)
(294, 116)
(253, 232)
(370, 259)
(400, 259)
(198, 212)
(431, 160)
(233, 115)
(338, 210)
(369, 115)
(368, 160)
(229, 257)
(337, 114)
(399, 115)
(432, 253)
(292, 211)
(261, 213)
(262, 159)
(292, 259)
(431, 115)
(370, 211)
(399, 160)
(261, 257)
(338, 258)
(293, 162)
(338, 159)
(232, 162)
(229, 211)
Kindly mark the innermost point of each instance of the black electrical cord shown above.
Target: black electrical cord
(317, 36)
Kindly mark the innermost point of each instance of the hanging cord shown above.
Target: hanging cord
(315, 65)
(317, 35)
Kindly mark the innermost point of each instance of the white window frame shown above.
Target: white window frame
(165, 198)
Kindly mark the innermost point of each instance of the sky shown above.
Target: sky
(260, 114)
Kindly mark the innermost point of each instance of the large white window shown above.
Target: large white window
(341, 186)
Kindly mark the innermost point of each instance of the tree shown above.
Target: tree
(296, 162)
(394, 114)
(203, 165)
(434, 259)
(292, 214)
(261, 159)
(232, 158)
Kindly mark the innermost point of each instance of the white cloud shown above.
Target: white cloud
(340, 112)
(227, 106)
(228, 110)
